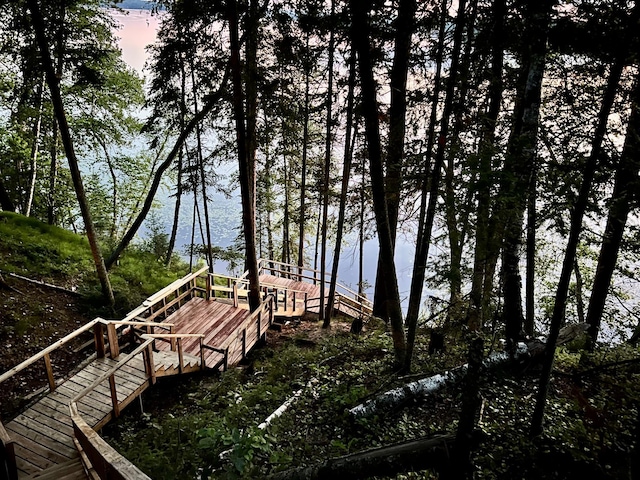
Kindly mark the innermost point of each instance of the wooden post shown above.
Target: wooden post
(295, 305)
(172, 331)
(149, 364)
(180, 355)
(114, 395)
(112, 336)
(208, 294)
(229, 287)
(98, 339)
(202, 366)
(235, 295)
(52, 381)
(225, 365)
(9, 455)
(275, 297)
(259, 322)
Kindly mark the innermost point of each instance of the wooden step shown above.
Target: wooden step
(70, 470)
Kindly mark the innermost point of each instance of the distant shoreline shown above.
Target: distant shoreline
(135, 5)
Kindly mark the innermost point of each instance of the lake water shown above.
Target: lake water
(138, 29)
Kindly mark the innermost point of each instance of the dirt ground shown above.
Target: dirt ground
(32, 317)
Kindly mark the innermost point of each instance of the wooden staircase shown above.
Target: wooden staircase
(197, 322)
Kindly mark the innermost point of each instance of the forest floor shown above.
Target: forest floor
(591, 414)
(32, 317)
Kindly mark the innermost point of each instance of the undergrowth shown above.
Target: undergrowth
(47, 253)
(206, 427)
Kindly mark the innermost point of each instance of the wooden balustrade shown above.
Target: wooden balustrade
(7, 456)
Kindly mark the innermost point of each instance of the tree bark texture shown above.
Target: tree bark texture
(624, 195)
(424, 234)
(414, 455)
(478, 302)
(572, 245)
(360, 40)
(521, 159)
(246, 162)
(58, 106)
(346, 175)
(325, 313)
(404, 26)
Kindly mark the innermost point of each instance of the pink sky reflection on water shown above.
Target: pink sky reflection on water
(137, 30)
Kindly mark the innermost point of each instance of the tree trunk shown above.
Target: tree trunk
(425, 229)
(325, 313)
(413, 455)
(420, 255)
(521, 159)
(346, 173)
(5, 200)
(56, 98)
(574, 233)
(624, 191)
(529, 319)
(35, 150)
(182, 118)
(303, 174)
(478, 301)
(360, 40)
(162, 168)
(404, 26)
(246, 162)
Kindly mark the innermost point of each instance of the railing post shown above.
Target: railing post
(235, 295)
(209, 282)
(149, 364)
(225, 365)
(202, 365)
(6, 444)
(98, 339)
(172, 331)
(52, 381)
(180, 356)
(112, 336)
(259, 322)
(114, 395)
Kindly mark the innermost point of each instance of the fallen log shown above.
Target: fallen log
(430, 385)
(44, 284)
(420, 454)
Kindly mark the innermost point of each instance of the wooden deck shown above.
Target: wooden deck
(43, 435)
(199, 321)
(217, 319)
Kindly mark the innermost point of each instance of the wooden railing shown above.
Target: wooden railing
(105, 460)
(248, 333)
(8, 467)
(345, 295)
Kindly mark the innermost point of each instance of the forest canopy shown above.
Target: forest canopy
(500, 138)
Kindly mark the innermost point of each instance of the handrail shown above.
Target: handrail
(45, 353)
(106, 461)
(173, 286)
(262, 262)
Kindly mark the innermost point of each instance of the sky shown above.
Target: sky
(138, 29)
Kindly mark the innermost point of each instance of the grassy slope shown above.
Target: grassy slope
(36, 250)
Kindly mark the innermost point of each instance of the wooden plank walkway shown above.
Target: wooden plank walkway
(43, 434)
(199, 329)
(217, 319)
